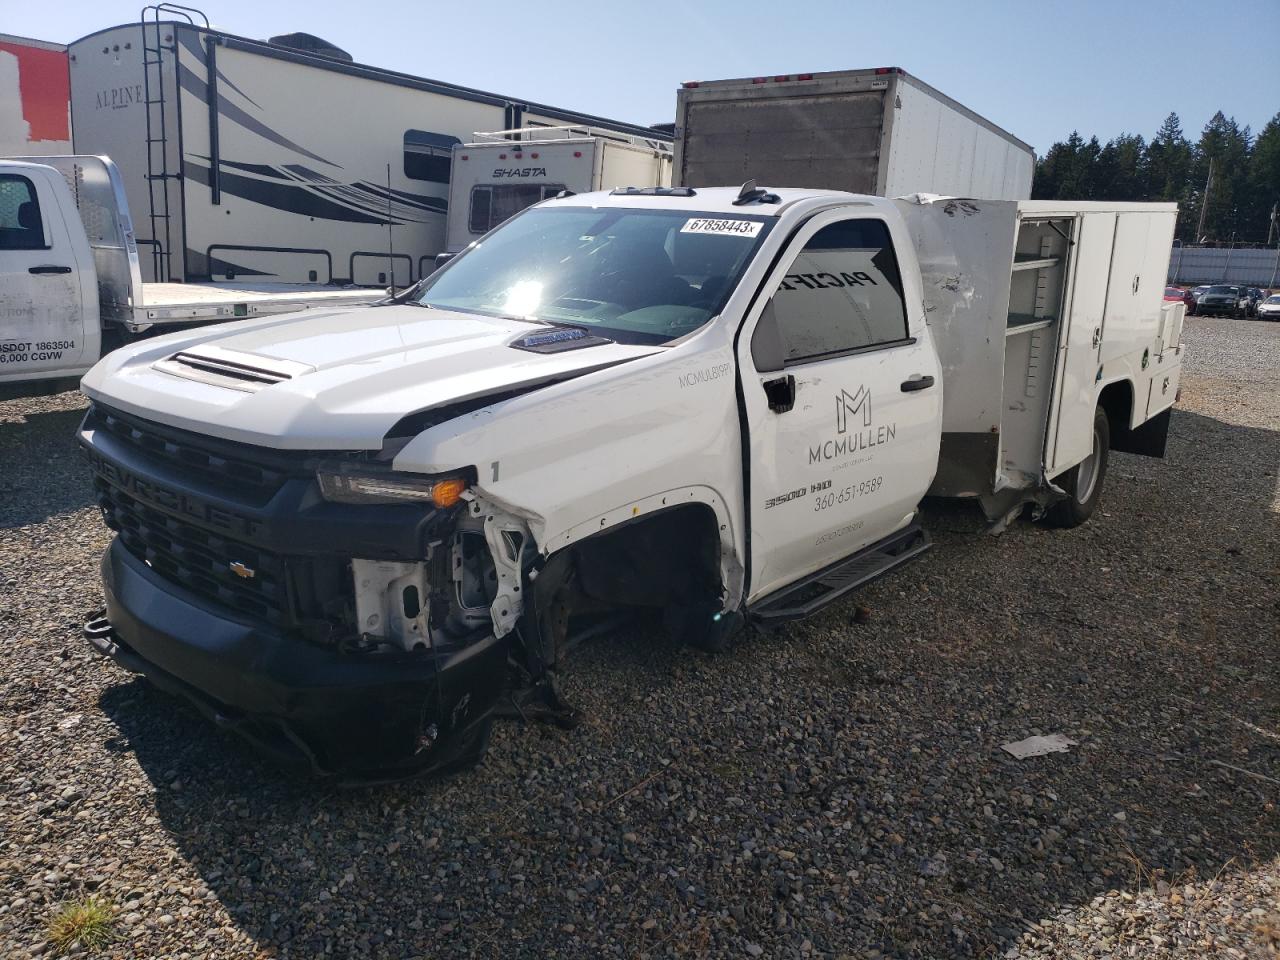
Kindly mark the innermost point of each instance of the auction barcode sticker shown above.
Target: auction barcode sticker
(732, 228)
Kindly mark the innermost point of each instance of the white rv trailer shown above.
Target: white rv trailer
(495, 178)
(245, 159)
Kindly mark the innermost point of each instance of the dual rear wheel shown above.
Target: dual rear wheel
(1083, 482)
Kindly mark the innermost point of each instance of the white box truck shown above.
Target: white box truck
(71, 287)
(350, 540)
(498, 174)
(879, 131)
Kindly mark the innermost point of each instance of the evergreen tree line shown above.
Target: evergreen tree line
(1242, 188)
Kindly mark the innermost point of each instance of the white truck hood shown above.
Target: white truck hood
(336, 380)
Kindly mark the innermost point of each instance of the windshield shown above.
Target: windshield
(635, 276)
(1219, 291)
(1274, 299)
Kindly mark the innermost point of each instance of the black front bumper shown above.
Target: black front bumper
(360, 716)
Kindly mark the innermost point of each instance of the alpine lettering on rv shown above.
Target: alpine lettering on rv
(117, 98)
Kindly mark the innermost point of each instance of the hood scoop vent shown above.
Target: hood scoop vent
(559, 340)
(234, 369)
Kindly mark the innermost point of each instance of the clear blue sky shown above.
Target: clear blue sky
(1039, 70)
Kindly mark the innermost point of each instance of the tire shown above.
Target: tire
(1083, 482)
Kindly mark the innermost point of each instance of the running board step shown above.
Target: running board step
(808, 596)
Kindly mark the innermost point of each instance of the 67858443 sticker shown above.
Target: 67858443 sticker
(724, 227)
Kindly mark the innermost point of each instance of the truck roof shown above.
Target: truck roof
(717, 200)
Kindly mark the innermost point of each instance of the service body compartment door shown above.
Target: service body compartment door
(1128, 290)
(843, 393)
(48, 306)
(1070, 436)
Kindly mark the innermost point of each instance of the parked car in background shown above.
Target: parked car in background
(1223, 300)
(1179, 295)
(1196, 294)
(1269, 309)
(1256, 297)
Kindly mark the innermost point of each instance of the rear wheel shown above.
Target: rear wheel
(1083, 482)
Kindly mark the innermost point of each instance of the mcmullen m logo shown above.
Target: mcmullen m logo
(846, 405)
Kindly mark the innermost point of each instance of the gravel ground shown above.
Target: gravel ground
(834, 790)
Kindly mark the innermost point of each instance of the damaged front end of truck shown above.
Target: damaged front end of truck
(353, 621)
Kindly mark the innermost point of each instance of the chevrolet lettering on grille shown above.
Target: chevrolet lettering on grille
(241, 570)
(182, 504)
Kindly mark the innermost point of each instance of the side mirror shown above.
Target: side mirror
(443, 258)
(766, 342)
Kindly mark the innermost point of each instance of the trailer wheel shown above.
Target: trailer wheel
(1083, 482)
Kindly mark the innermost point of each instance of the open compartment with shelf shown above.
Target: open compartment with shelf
(1037, 287)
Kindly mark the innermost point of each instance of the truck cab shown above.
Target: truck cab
(48, 320)
(71, 284)
(701, 401)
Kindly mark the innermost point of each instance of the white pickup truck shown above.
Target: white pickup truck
(353, 536)
(70, 285)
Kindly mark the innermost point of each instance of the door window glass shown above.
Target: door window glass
(20, 225)
(842, 292)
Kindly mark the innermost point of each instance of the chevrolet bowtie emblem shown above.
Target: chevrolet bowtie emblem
(240, 570)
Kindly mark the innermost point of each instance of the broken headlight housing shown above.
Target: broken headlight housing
(367, 486)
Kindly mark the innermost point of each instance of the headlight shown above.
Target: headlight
(343, 487)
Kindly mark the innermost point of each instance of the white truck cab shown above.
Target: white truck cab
(49, 317)
(352, 536)
(71, 286)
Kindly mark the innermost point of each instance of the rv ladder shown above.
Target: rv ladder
(153, 100)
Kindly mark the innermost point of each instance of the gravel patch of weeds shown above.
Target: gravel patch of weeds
(85, 924)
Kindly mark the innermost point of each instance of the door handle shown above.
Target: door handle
(1097, 336)
(49, 268)
(781, 393)
(917, 383)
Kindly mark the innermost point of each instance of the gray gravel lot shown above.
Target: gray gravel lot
(834, 790)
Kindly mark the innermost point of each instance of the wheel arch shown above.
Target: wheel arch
(694, 518)
(1116, 399)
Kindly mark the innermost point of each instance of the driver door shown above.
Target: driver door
(843, 393)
